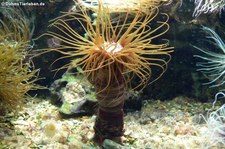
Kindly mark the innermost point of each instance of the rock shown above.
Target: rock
(55, 91)
(109, 144)
(73, 92)
(84, 107)
(20, 122)
(75, 143)
(75, 97)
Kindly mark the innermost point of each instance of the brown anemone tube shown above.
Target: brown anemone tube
(110, 97)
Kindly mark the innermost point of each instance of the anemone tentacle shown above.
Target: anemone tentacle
(213, 64)
(127, 43)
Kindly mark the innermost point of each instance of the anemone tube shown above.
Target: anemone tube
(114, 53)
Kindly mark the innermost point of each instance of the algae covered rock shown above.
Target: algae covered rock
(109, 144)
(75, 96)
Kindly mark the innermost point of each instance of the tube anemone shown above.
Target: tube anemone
(16, 76)
(207, 7)
(215, 121)
(114, 52)
(118, 6)
(126, 45)
(212, 64)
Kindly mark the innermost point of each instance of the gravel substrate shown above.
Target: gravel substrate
(174, 124)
